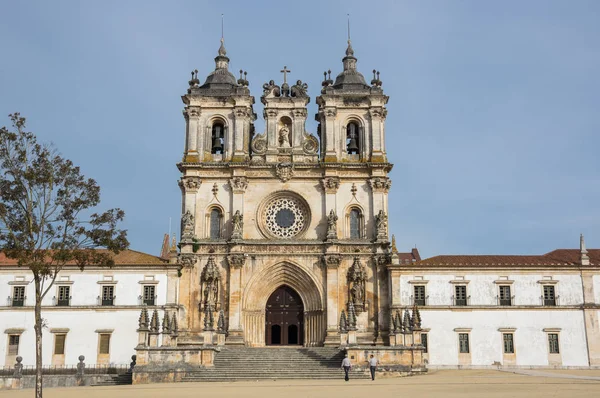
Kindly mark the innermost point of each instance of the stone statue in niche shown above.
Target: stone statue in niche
(381, 221)
(209, 281)
(238, 225)
(357, 277)
(332, 219)
(187, 225)
(284, 137)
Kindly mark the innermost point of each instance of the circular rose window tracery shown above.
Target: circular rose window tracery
(285, 216)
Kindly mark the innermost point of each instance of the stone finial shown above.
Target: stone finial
(221, 322)
(343, 322)
(132, 363)
(585, 259)
(209, 320)
(154, 322)
(392, 327)
(394, 248)
(407, 321)
(351, 316)
(166, 324)
(416, 318)
(174, 325)
(399, 327)
(18, 372)
(143, 320)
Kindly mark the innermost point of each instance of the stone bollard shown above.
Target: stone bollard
(132, 364)
(17, 380)
(80, 371)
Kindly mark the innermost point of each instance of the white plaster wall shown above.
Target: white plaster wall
(531, 346)
(82, 338)
(85, 288)
(596, 284)
(483, 290)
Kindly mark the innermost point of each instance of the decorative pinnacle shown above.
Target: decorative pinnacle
(349, 50)
(222, 51)
(285, 71)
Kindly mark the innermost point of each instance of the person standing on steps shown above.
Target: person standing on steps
(346, 365)
(373, 366)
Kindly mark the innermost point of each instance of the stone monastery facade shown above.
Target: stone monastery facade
(285, 241)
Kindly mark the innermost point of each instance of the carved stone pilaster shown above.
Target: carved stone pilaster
(191, 112)
(190, 184)
(332, 261)
(380, 184)
(187, 260)
(236, 260)
(330, 184)
(376, 112)
(357, 278)
(330, 112)
(238, 184)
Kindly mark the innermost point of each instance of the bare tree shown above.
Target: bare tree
(46, 219)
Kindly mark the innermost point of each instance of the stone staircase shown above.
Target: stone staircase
(116, 380)
(275, 363)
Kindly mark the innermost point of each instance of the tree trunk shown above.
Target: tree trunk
(38, 338)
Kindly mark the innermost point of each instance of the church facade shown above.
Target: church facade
(285, 242)
(282, 216)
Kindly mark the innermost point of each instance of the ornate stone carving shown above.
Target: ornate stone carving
(284, 137)
(259, 144)
(242, 112)
(191, 112)
(332, 219)
(270, 89)
(285, 217)
(382, 259)
(310, 144)
(380, 184)
(190, 184)
(238, 184)
(299, 89)
(330, 112)
(285, 171)
(215, 189)
(381, 224)
(343, 322)
(187, 225)
(357, 277)
(376, 112)
(332, 260)
(236, 260)
(238, 225)
(353, 190)
(187, 259)
(330, 184)
(209, 283)
(299, 112)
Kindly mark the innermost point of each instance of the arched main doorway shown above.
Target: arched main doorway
(284, 318)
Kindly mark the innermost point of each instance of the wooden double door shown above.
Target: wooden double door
(284, 320)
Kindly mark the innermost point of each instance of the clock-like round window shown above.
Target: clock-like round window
(285, 216)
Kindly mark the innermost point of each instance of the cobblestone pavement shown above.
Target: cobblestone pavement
(440, 383)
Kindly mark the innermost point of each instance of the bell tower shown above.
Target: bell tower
(219, 115)
(352, 116)
(285, 138)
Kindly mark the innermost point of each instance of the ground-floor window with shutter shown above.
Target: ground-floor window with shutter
(104, 348)
(13, 344)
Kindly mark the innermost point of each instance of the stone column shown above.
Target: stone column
(192, 118)
(236, 333)
(329, 133)
(242, 115)
(376, 115)
(332, 262)
(591, 318)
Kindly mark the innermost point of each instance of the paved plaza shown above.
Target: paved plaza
(440, 383)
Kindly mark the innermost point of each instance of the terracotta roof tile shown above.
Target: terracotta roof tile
(126, 257)
(553, 258)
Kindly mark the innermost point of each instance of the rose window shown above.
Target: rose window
(285, 217)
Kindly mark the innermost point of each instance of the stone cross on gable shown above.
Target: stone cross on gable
(285, 71)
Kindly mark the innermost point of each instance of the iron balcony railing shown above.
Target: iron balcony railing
(62, 302)
(505, 301)
(460, 301)
(13, 301)
(550, 302)
(106, 301)
(147, 301)
(420, 301)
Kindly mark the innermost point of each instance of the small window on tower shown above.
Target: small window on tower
(355, 220)
(217, 138)
(352, 138)
(215, 224)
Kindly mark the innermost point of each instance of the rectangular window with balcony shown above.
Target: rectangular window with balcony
(460, 297)
(104, 344)
(149, 294)
(420, 295)
(549, 296)
(553, 343)
(13, 344)
(424, 341)
(508, 342)
(108, 295)
(505, 296)
(59, 344)
(463, 343)
(18, 299)
(64, 296)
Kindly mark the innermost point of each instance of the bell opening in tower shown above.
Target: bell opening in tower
(352, 138)
(217, 138)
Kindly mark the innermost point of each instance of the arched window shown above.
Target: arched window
(355, 223)
(352, 138)
(215, 224)
(218, 133)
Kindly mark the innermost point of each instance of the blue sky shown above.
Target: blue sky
(493, 121)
